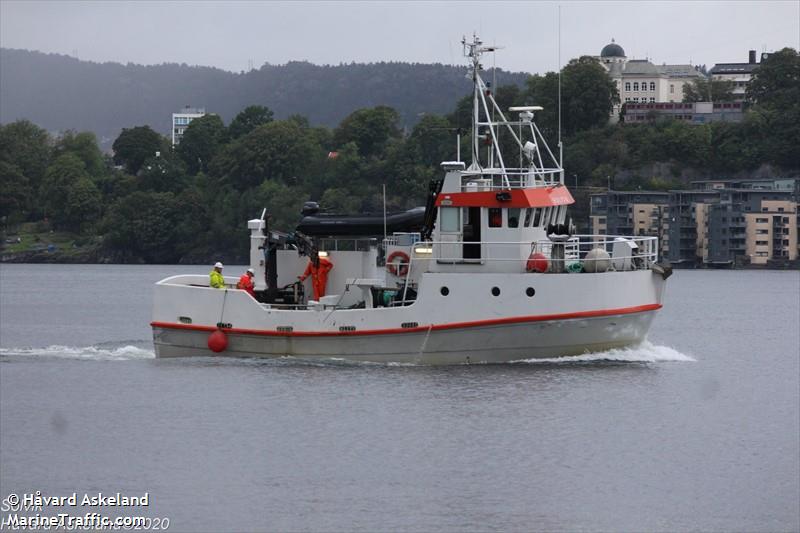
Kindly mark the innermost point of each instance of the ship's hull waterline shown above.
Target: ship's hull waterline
(568, 314)
(493, 343)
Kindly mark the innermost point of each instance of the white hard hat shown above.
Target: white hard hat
(218, 265)
(251, 270)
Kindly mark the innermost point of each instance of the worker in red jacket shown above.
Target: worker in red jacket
(318, 268)
(246, 282)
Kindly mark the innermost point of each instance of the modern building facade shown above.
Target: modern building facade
(181, 120)
(630, 213)
(742, 222)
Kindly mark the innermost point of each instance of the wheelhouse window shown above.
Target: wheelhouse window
(513, 217)
(546, 216)
(556, 214)
(528, 217)
(495, 217)
(450, 218)
(537, 216)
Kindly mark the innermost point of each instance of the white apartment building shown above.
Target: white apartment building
(738, 73)
(181, 120)
(640, 81)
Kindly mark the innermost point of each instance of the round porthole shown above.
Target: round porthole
(530, 292)
(445, 291)
(495, 291)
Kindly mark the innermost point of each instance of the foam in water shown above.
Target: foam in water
(94, 353)
(646, 352)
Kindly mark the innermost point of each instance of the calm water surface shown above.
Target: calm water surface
(699, 429)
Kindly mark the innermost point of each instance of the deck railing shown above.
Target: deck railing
(579, 253)
(495, 179)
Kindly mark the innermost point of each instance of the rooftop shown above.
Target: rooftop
(733, 68)
(612, 50)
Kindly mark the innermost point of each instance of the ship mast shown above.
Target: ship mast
(543, 168)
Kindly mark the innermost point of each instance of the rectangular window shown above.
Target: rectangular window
(636, 86)
(450, 219)
(528, 217)
(537, 216)
(513, 217)
(545, 216)
(495, 217)
(652, 99)
(652, 86)
(627, 86)
(762, 220)
(671, 88)
(554, 213)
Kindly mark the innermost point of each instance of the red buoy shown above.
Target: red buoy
(537, 262)
(217, 341)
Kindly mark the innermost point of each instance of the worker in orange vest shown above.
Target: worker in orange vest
(318, 268)
(246, 282)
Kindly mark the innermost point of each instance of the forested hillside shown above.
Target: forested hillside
(63, 199)
(59, 92)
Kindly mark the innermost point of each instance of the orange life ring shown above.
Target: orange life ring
(397, 269)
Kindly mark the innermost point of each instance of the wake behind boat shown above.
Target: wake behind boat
(489, 271)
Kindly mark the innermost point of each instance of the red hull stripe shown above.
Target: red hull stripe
(541, 197)
(434, 327)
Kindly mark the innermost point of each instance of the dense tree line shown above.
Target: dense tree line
(154, 203)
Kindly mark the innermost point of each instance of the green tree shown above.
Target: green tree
(776, 81)
(16, 191)
(432, 141)
(340, 201)
(371, 129)
(84, 145)
(282, 203)
(278, 151)
(775, 115)
(135, 145)
(83, 205)
(249, 119)
(201, 141)
(25, 150)
(588, 95)
(543, 92)
(164, 173)
(705, 90)
(64, 173)
(143, 225)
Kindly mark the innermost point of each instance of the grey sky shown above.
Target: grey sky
(230, 35)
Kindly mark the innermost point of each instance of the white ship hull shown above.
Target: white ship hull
(492, 271)
(569, 315)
